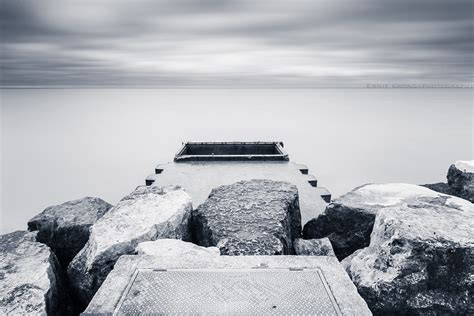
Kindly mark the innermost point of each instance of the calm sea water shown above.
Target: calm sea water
(62, 144)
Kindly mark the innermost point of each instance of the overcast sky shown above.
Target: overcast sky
(235, 43)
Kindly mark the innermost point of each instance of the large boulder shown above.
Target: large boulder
(460, 181)
(313, 247)
(348, 220)
(256, 217)
(420, 260)
(176, 248)
(148, 213)
(65, 227)
(30, 277)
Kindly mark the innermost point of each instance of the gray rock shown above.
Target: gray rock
(460, 181)
(256, 217)
(65, 227)
(313, 247)
(440, 187)
(347, 222)
(30, 277)
(148, 213)
(420, 260)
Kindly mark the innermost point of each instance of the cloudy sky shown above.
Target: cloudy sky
(235, 43)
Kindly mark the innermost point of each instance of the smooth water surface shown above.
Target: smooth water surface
(63, 144)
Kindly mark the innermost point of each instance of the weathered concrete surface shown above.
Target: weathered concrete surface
(30, 280)
(65, 227)
(257, 217)
(198, 178)
(148, 213)
(460, 181)
(420, 260)
(174, 247)
(348, 220)
(313, 247)
(345, 295)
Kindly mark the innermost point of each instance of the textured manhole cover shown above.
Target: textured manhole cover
(244, 292)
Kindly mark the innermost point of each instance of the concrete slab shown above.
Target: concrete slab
(278, 285)
(198, 178)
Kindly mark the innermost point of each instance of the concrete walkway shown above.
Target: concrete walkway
(277, 285)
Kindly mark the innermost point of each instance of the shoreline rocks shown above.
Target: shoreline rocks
(348, 220)
(30, 275)
(65, 227)
(420, 259)
(460, 181)
(148, 213)
(256, 217)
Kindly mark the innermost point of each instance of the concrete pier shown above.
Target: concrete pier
(198, 171)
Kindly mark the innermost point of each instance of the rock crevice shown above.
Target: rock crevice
(65, 227)
(31, 278)
(148, 213)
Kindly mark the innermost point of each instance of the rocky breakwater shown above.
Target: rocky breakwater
(460, 181)
(256, 217)
(348, 220)
(147, 214)
(416, 251)
(65, 227)
(30, 277)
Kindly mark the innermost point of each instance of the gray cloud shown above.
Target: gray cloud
(235, 43)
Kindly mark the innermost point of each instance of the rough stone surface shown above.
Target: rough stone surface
(256, 217)
(313, 247)
(65, 227)
(440, 187)
(420, 260)
(30, 280)
(348, 220)
(345, 293)
(148, 213)
(460, 181)
(174, 247)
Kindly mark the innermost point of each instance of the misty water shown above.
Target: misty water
(64, 144)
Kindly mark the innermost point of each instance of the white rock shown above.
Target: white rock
(349, 219)
(148, 213)
(419, 260)
(30, 281)
(390, 194)
(174, 247)
(465, 165)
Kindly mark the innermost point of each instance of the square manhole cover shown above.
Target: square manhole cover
(217, 292)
